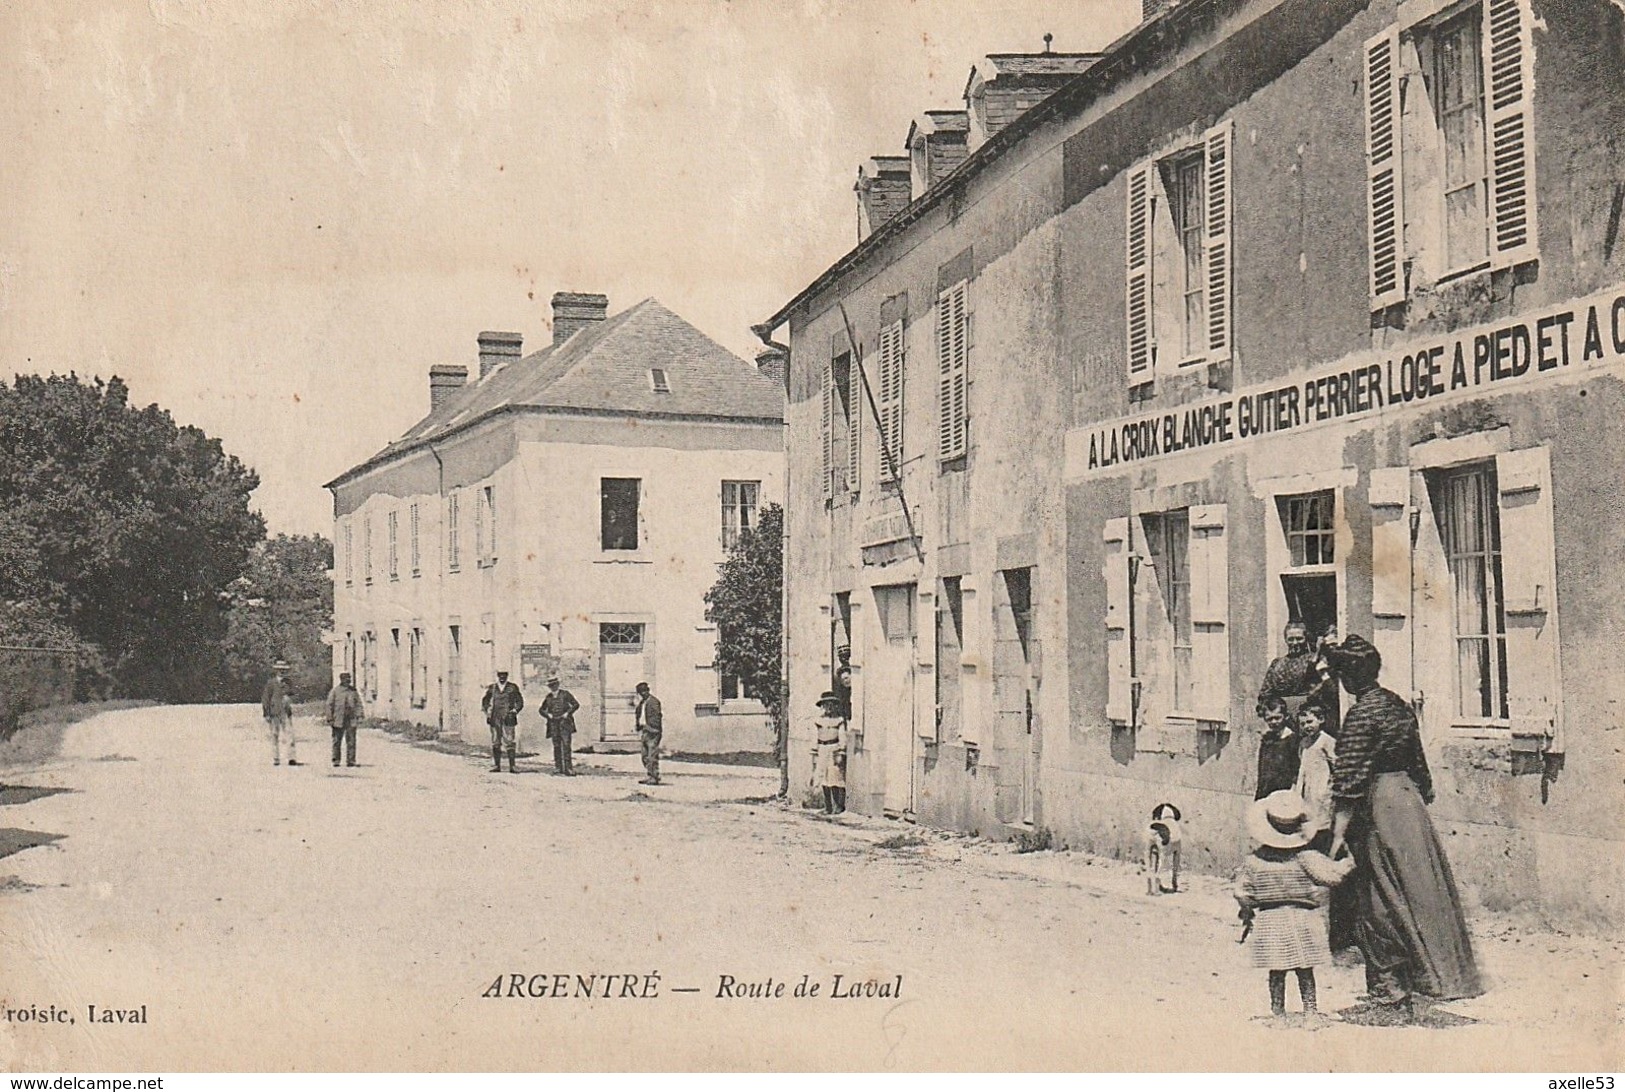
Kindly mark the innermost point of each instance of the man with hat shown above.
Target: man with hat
(502, 703)
(558, 709)
(343, 714)
(650, 724)
(276, 703)
(829, 752)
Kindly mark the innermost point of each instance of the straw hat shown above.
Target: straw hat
(1281, 821)
(828, 697)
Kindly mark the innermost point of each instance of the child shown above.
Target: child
(829, 754)
(1162, 841)
(1277, 749)
(1284, 887)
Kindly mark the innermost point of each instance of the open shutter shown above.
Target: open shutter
(1509, 74)
(854, 427)
(1210, 613)
(1529, 579)
(1389, 497)
(1218, 256)
(1384, 174)
(891, 401)
(826, 431)
(1140, 339)
(952, 358)
(1119, 622)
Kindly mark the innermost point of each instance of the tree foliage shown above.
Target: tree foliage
(122, 527)
(746, 606)
(278, 610)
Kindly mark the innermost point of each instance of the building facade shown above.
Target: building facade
(563, 511)
(1277, 310)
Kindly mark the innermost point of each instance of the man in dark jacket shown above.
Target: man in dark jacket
(649, 729)
(502, 703)
(558, 709)
(276, 703)
(343, 714)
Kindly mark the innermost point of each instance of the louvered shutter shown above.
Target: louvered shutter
(1140, 333)
(1509, 78)
(826, 433)
(1384, 174)
(1218, 257)
(1529, 579)
(1115, 569)
(1210, 613)
(1389, 498)
(952, 359)
(854, 426)
(891, 400)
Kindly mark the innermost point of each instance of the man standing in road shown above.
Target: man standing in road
(343, 714)
(649, 728)
(502, 703)
(277, 705)
(558, 709)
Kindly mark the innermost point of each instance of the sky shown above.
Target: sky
(272, 218)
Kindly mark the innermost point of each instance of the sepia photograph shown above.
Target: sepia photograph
(812, 536)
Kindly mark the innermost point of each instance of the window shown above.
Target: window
(417, 555)
(618, 513)
(396, 675)
(953, 351)
(1307, 520)
(1449, 179)
(738, 510)
(1466, 504)
(658, 381)
(392, 522)
(419, 669)
(1178, 249)
(842, 425)
(732, 688)
(621, 634)
(893, 366)
(485, 526)
(454, 540)
(1309, 574)
(366, 549)
(349, 555)
(1168, 538)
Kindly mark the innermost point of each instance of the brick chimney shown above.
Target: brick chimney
(445, 380)
(883, 192)
(574, 310)
(772, 361)
(498, 347)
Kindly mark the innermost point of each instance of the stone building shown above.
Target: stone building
(563, 510)
(1275, 310)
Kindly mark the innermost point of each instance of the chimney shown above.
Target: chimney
(772, 361)
(445, 380)
(1003, 86)
(574, 310)
(498, 347)
(883, 192)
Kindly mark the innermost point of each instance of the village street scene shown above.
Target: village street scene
(1083, 542)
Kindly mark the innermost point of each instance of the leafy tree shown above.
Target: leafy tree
(124, 527)
(278, 609)
(746, 606)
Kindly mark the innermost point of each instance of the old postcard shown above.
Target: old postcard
(899, 535)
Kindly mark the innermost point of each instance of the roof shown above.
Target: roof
(1115, 63)
(604, 368)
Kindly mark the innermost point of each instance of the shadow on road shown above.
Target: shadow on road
(26, 794)
(13, 840)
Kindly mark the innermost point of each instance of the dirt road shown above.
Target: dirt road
(159, 867)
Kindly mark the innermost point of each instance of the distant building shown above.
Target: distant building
(564, 510)
(1270, 312)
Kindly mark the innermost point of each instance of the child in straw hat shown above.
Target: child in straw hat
(1283, 889)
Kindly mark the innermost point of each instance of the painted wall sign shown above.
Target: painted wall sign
(1585, 335)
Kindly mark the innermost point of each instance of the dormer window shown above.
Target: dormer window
(658, 380)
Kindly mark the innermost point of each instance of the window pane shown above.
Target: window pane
(1474, 673)
(619, 513)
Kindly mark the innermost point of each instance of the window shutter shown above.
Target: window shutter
(1389, 497)
(892, 365)
(1140, 340)
(826, 433)
(1529, 577)
(854, 426)
(1384, 176)
(1210, 612)
(1218, 257)
(952, 358)
(1509, 78)
(1115, 543)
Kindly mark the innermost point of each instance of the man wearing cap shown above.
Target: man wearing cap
(558, 709)
(276, 703)
(502, 703)
(649, 729)
(343, 714)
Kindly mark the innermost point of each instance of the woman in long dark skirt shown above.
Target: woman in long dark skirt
(1410, 929)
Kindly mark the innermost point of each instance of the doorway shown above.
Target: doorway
(892, 684)
(623, 664)
(454, 680)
